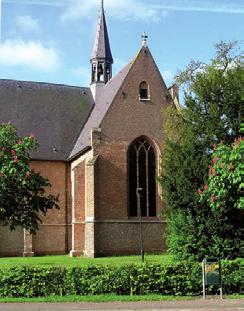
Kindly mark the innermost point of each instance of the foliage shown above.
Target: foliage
(242, 153)
(210, 114)
(221, 194)
(222, 190)
(182, 278)
(22, 191)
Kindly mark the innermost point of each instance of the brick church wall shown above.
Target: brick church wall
(52, 237)
(79, 205)
(124, 237)
(127, 119)
(11, 242)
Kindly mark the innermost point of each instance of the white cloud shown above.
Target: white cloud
(38, 2)
(217, 6)
(29, 54)
(156, 7)
(27, 23)
(151, 11)
(126, 9)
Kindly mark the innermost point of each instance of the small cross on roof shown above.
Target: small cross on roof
(144, 39)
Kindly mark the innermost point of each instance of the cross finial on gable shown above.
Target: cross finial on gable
(144, 39)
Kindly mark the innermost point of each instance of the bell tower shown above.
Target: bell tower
(101, 57)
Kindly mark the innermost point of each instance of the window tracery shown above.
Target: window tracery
(142, 174)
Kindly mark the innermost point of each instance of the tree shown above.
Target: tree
(22, 190)
(212, 98)
(222, 195)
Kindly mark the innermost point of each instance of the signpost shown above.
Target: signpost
(211, 272)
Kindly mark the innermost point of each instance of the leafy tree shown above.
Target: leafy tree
(22, 191)
(212, 98)
(222, 195)
(224, 178)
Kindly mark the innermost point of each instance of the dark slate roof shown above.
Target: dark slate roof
(100, 109)
(54, 113)
(101, 48)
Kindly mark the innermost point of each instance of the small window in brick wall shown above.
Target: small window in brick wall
(142, 174)
(144, 91)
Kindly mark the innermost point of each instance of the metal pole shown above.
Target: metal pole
(138, 190)
(203, 280)
(220, 277)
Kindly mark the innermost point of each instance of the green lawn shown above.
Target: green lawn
(66, 261)
(95, 298)
(107, 298)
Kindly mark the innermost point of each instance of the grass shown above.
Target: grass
(95, 298)
(108, 298)
(236, 296)
(66, 261)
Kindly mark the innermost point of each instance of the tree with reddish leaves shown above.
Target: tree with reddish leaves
(222, 196)
(23, 195)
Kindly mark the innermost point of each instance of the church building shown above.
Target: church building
(100, 148)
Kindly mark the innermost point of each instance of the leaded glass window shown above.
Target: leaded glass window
(142, 174)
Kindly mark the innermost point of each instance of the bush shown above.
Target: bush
(31, 282)
(182, 278)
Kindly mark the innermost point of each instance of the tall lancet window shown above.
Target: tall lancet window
(142, 174)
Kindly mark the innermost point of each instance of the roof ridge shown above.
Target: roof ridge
(99, 110)
(44, 83)
(117, 74)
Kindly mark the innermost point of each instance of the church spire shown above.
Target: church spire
(101, 57)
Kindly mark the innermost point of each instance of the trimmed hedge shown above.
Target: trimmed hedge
(182, 278)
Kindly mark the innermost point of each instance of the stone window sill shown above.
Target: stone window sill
(145, 99)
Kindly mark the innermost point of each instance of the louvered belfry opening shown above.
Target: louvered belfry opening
(142, 174)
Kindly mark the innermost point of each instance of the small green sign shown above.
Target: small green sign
(212, 271)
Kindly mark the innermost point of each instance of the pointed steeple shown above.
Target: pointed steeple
(101, 57)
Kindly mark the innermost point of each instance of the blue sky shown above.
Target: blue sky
(51, 40)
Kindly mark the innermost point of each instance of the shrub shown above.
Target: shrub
(31, 282)
(181, 278)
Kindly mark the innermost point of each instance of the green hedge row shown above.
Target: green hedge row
(182, 278)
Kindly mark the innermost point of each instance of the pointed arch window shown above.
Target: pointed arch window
(144, 91)
(142, 174)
